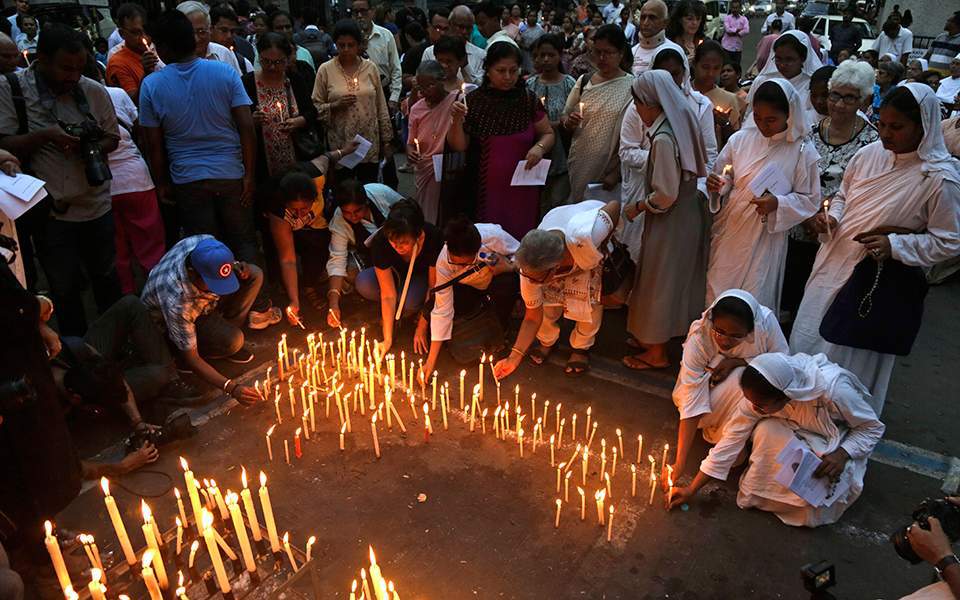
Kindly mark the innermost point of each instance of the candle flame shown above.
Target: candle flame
(286, 538)
(297, 432)
(558, 503)
(105, 486)
(727, 169)
(179, 523)
(145, 511)
(390, 586)
(147, 558)
(353, 586)
(619, 433)
(263, 479)
(343, 429)
(180, 578)
(373, 557)
(633, 468)
(96, 575)
(207, 518)
(580, 489)
(270, 431)
(231, 498)
(311, 541)
(243, 477)
(611, 510)
(176, 492)
(48, 527)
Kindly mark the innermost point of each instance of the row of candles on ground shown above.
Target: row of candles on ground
(347, 355)
(213, 502)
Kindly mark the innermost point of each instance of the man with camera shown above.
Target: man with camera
(929, 540)
(62, 125)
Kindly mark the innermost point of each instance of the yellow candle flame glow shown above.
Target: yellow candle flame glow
(147, 558)
(105, 486)
(243, 477)
(263, 479)
(183, 463)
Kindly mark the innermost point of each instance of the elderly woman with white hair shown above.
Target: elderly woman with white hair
(899, 203)
(803, 412)
(560, 266)
(837, 137)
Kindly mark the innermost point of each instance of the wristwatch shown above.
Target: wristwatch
(945, 562)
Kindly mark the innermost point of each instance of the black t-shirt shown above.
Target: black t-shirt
(412, 58)
(385, 257)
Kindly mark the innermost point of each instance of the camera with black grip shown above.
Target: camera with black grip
(94, 162)
(944, 511)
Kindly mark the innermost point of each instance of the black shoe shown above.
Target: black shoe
(178, 389)
(241, 357)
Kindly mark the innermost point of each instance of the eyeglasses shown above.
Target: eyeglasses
(266, 62)
(848, 99)
(604, 53)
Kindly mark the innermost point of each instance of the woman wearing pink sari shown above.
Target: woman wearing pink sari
(429, 122)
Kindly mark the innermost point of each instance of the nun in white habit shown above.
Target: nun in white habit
(804, 399)
(793, 59)
(906, 180)
(668, 291)
(731, 332)
(749, 237)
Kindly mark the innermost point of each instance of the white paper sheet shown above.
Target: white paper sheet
(353, 159)
(798, 463)
(535, 176)
(21, 186)
(770, 178)
(13, 207)
(438, 167)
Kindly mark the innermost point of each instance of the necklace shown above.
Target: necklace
(353, 83)
(848, 138)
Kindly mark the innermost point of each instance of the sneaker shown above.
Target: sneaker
(180, 390)
(262, 320)
(241, 356)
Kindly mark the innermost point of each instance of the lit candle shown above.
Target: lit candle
(297, 448)
(211, 540)
(663, 463)
(245, 550)
(559, 471)
(520, 440)
(191, 492)
(376, 578)
(248, 506)
(620, 440)
(343, 430)
(593, 432)
(463, 89)
(483, 424)
(573, 428)
(613, 468)
(151, 539)
(416, 144)
(639, 447)
(606, 479)
(584, 468)
(610, 524)
(583, 504)
(53, 548)
(117, 521)
(669, 486)
(566, 486)
(563, 422)
(366, 595)
(97, 590)
(179, 535)
(183, 514)
(633, 480)
(653, 486)
(373, 431)
(393, 592)
(268, 514)
(556, 520)
(551, 449)
(153, 588)
(600, 495)
(483, 359)
(826, 216)
(193, 553)
(218, 499)
(556, 426)
(286, 548)
(310, 542)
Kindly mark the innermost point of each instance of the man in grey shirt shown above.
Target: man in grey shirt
(73, 229)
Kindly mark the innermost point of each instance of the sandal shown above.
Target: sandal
(540, 353)
(633, 343)
(578, 366)
(638, 364)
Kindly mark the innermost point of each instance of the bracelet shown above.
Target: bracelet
(334, 291)
(339, 153)
(542, 147)
(225, 384)
(518, 351)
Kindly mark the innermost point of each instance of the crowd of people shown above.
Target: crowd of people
(212, 160)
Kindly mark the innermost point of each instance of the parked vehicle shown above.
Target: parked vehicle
(821, 29)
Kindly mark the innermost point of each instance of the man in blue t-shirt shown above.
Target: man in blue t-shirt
(202, 145)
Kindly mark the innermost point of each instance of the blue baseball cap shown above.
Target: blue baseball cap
(214, 261)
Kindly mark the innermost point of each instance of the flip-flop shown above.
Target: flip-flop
(633, 343)
(638, 364)
(576, 368)
(540, 353)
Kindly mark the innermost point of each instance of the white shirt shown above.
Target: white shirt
(787, 20)
(341, 233)
(130, 172)
(14, 30)
(473, 72)
(382, 50)
(629, 31)
(222, 54)
(495, 245)
(115, 39)
(948, 90)
(643, 57)
(898, 46)
(611, 13)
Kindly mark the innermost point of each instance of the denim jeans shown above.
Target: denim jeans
(126, 334)
(71, 253)
(369, 288)
(220, 333)
(213, 206)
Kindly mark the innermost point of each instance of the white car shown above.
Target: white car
(759, 9)
(823, 23)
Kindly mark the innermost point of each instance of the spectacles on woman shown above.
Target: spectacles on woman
(273, 63)
(848, 99)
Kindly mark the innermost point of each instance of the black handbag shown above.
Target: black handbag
(618, 268)
(879, 308)
(306, 140)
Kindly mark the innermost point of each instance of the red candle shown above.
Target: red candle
(296, 444)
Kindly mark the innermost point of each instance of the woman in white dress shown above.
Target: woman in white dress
(560, 265)
(749, 238)
(793, 59)
(811, 403)
(906, 180)
(735, 329)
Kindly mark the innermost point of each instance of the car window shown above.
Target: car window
(819, 27)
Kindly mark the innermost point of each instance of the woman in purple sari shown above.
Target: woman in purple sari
(499, 124)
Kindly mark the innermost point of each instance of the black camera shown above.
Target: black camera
(15, 394)
(817, 578)
(94, 162)
(177, 428)
(947, 513)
